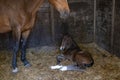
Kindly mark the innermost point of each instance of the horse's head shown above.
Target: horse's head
(62, 7)
(66, 43)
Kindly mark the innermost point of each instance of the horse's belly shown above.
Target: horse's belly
(4, 29)
(4, 24)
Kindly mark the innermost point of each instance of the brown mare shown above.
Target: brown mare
(71, 51)
(18, 16)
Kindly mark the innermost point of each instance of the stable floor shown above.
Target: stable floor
(106, 67)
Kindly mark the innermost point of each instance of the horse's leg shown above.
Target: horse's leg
(24, 37)
(23, 48)
(16, 37)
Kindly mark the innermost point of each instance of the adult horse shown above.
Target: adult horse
(18, 16)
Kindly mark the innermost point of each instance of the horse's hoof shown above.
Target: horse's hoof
(15, 70)
(28, 65)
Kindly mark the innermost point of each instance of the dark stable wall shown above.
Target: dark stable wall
(107, 30)
(103, 23)
(116, 35)
(80, 23)
(90, 21)
(41, 32)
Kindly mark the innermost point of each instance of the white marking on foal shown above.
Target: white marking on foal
(56, 67)
(61, 48)
(64, 68)
(67, 68)
(71, 68)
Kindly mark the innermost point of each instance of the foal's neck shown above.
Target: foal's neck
(74, 46)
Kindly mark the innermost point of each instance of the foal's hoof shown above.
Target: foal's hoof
(28, 65)
(15, 70)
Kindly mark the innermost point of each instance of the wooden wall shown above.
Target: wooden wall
(80, 24)
(90, 21)
(81, 21)
(94, 21)
(107, 30)
(103, 23)
(116, 29)
(41, 33)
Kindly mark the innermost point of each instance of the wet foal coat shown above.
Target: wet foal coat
(18, 16)
(71, 51)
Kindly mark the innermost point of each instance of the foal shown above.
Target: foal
(71, 51)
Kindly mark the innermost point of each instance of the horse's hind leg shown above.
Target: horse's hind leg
(23, 48)
(16, 37)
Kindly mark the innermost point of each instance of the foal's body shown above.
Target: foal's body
(71, 51)
(82, 59)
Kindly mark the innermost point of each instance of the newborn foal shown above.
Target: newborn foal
(71, 51)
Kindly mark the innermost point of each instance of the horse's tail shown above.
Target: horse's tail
(89, 65)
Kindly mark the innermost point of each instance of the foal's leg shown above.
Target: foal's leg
(16, 37)
(81, 66)
(23, 48)
(59, 58)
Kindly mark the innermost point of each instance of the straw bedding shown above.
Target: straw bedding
(106, 67)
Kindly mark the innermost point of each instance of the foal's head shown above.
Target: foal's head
(66, 42)
(61, 6)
